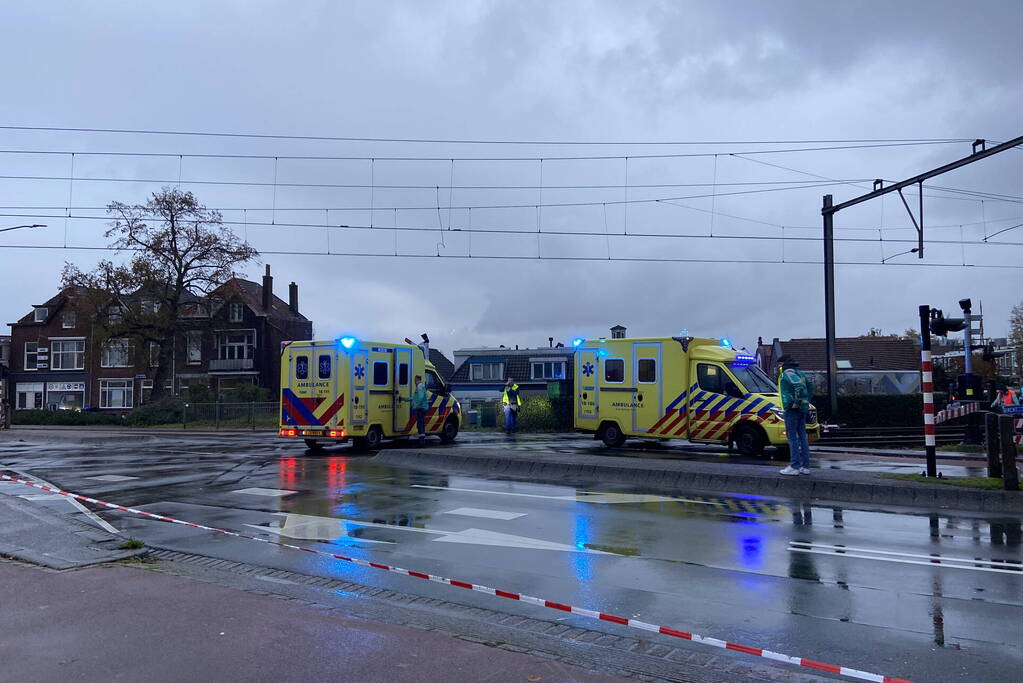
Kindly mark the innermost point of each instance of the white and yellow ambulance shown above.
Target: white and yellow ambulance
(701, 390)
(336, 390)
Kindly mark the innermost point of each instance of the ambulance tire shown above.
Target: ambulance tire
(372, 441)
(749, 440)
(611, 434)
(313, 445)
(449, 432)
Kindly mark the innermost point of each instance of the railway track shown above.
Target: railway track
(887, 437)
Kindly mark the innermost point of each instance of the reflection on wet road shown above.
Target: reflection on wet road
(931, 596)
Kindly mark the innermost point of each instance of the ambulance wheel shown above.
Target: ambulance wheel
(449, 431)
(611, 435)
(749, 440)
(313, 445)
(372, 441)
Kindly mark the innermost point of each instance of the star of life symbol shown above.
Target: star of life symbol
(588, 369)
(360, 371)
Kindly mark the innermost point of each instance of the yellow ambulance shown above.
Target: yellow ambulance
(337, 390)
(690, 388)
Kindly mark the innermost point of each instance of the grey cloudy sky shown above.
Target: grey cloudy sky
(593, 71)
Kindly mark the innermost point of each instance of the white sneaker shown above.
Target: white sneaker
(804, 470)
(790, 470)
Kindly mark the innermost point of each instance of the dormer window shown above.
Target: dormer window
(69, 320)
(41, 313)
(234, 312)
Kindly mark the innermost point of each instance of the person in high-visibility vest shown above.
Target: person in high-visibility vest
(512, 402)
(1006, 397)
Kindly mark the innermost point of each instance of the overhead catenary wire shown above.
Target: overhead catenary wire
(464, 141)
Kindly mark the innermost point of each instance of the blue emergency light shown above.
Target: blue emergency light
(726, 343)
(577, 342)
(744, 359)
(347, 342)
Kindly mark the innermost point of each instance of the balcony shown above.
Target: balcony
(232, 365)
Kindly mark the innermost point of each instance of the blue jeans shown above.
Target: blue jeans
(510, 419)
(799, 443)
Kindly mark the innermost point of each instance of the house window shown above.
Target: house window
(69, 320)
(31, 355)
(647, 370)
(614, 370)
(548, 369)
(381, 373)
(236, 345)
(154, 354)
(150, 307)
(41, 313)
(68, 354)
(115, 393)
(115, 354)
(193, 310)
(115, 314)
(235, 312)
(487, 371)
(323, 367)
(301, 367)
(193, 347)
(29, 395)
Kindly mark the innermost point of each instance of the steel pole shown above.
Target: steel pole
(829, 306)
(927, 387)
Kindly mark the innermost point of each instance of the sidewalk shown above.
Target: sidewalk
(101, 622)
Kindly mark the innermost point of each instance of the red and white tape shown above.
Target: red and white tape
(511, 595)
(953, 412)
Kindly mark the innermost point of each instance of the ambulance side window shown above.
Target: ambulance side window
(323, 371)
(614, 370)
(301, 367)
(403, 374)
(381, 374)
(710, 378)
(647, 370)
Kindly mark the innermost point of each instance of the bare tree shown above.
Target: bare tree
(179, 252)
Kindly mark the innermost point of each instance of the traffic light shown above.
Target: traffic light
(941, 326)
(989, 354)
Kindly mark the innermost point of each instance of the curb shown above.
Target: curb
(910, 494)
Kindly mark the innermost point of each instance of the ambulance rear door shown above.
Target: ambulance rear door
(646, 369)
(586, 385)
(402, 389)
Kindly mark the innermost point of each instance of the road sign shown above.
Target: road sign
(1012, 410)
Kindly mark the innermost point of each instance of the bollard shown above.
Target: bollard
(994, 454)
(1010, 476)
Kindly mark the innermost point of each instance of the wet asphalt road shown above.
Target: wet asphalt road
(761, 572)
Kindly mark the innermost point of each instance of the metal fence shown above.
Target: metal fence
(263, 415)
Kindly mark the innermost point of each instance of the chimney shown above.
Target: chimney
(268, 289)
(550, 340)
(293, 298)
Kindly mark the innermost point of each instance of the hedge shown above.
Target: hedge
(63, 417)
(165, 411)
(537, 414)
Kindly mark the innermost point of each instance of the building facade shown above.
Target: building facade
(60, 360)
(480, 374)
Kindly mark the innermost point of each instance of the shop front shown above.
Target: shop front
(65, 395)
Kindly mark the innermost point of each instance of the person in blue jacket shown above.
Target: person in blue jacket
(794, 389)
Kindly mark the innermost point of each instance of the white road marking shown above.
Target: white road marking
(43, 497)
(111, 477)
(330, 528)
(581, 496)
(485, 514)
(102, 523)
(938, 561)
(277, 493)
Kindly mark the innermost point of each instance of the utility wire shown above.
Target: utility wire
(338, 138)
(448, 158)
(560, 258)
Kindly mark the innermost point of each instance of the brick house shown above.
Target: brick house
(233, 336)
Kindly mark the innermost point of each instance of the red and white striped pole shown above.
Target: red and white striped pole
(927, 386)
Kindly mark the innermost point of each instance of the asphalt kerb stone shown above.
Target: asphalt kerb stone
(824, 484)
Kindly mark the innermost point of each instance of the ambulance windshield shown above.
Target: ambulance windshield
(754, 379)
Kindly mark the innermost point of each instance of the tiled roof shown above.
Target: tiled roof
(863, 353)
(445, 367)
(516, 364)
(252, 294)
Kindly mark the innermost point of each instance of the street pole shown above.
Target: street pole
(829, 306)
(927, 386)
